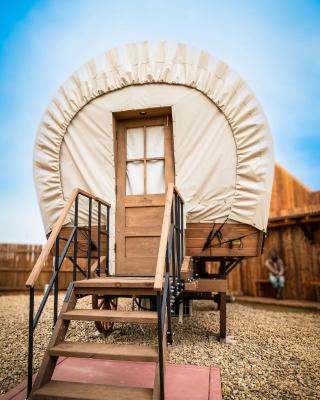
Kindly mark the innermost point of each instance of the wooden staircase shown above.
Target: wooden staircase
(45, 388)
(163, 288)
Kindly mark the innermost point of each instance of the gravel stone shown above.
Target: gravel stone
(274, 352)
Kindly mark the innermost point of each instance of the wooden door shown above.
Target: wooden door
(144, 167)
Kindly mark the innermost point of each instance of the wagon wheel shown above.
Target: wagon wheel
(104, 303)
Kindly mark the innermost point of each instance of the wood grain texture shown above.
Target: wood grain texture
(207, 285)
(139, 217)
(289, 193)
(148, 112)
(61, 390)
(186, 268)
(145, 247)
(51, 241)
(137, 317)
(47, 248)
(248, 246)
(299, 247)
(59, 332)
(122, 291)
(82, 240)
(118, 282)
(164, 239)
(17, 262)
(212, 285)
(143, 216)
(129, 352)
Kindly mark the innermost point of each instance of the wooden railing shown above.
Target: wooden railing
(173, 216)
(167, 283)
(55, 232)
(158, 279)
(54, 240)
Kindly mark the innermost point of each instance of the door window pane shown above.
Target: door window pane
(135, 178)
(155, 177)
(155, 141)
(135, 143)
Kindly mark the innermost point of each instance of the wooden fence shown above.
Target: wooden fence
(299, 247)
(17, 261)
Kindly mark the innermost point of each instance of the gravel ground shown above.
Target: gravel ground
(275, 354)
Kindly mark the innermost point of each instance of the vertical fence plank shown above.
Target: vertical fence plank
(17, 261)
(301, 255)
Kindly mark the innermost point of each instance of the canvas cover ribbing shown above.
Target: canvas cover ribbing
(222, 143)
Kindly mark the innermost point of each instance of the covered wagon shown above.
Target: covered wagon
(151, 161)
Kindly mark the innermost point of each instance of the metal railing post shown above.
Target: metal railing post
(177, 234)
(169, 332)
(108, 240)
(160, 345)
(89, 240)
(30, 340)
(99, 239)
(182, 231)
(56, 282)
(171, 247)
(75, 239)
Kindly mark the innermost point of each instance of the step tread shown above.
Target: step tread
(130, 352)
(116, 282)
(85, 391)
(138, 317)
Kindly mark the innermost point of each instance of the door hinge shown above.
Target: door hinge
(116, 189)
(115, 247)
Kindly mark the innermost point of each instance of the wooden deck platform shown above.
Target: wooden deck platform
(310, 305)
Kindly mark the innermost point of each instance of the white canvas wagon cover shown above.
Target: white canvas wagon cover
(222, 143)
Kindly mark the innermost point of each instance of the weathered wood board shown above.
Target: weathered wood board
(17, 261)
(299, 248)
(246, 241)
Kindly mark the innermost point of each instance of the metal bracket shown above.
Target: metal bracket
(69, 291)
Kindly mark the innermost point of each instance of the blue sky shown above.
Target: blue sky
(273, 45)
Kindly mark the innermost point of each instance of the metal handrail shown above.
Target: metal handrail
(55, 232)
(164, 302)
(163, 310)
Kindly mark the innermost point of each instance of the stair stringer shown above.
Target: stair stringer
(49, 362)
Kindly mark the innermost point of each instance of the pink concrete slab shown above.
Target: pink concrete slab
(183, 382)
(107, 372)
(215, 392)
(187, 382)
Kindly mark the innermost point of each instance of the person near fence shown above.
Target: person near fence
(276, 272)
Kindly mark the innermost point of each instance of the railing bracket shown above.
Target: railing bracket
(69, 291)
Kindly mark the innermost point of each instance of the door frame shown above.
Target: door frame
(135, 118)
